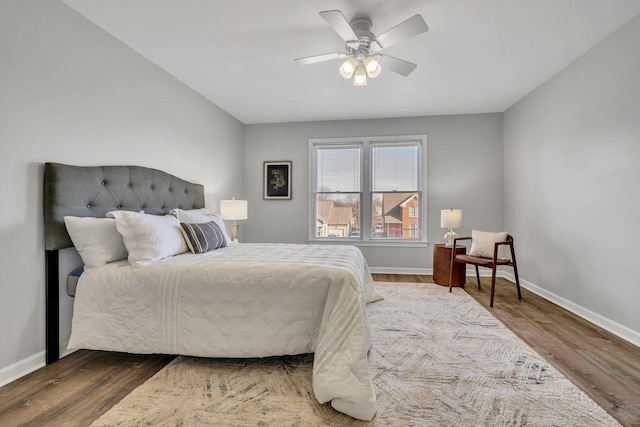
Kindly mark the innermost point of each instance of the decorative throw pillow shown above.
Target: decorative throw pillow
(149, 238)
(200, 216)
(194, 216)
(203, 237)
(483, 242)
(96, 239)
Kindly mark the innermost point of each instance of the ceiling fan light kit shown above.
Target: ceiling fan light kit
(360, 76)
(372, 66)
(362, 47)
(348, 67)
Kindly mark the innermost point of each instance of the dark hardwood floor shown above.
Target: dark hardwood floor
(77, 389)
(82, 386)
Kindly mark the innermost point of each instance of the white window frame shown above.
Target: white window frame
(366, 213)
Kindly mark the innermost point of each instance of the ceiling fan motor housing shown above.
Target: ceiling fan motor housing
(362, 28)
(360, 48)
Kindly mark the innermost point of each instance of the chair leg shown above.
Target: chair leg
(478, 276)
(493, 284)
(453, 256)
(515, 270)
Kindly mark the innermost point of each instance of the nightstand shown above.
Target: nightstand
(442, 264)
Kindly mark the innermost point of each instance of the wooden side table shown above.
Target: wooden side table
(442, 265)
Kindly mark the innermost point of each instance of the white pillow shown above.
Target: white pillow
(201, 216)
(149, 238)
(96, 239)
(483, 242)
(193, 216)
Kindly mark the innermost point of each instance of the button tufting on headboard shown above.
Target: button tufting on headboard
(67, 190)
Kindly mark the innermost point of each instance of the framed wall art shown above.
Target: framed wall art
(277, 180)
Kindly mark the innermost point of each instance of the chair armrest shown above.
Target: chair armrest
(453, 247)
(508, 242)
(455, 241)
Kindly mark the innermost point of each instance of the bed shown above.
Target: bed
(239, 300)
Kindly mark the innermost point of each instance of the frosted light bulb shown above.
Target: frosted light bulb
(372, 66)
(360, 76)
(348, 67)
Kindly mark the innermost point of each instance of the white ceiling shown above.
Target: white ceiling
(478, 55)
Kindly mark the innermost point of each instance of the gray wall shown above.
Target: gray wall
(71, 93)
(572, 149)
(464, 170)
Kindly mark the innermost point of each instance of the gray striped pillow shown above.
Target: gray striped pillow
(203, 237)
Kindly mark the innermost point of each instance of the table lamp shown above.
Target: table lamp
(450, 219)
(233, 210)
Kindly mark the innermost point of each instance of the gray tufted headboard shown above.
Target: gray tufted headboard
(93, 191)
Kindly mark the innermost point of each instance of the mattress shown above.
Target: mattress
(246, 300)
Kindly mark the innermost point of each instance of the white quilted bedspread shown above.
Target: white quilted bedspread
(247, 300)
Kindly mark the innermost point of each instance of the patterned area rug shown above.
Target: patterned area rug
(438, 359)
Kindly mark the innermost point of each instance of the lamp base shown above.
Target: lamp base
(234, 232)
(448, 238)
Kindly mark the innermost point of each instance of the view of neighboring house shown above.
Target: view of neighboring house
(397, 216)
(333, 220)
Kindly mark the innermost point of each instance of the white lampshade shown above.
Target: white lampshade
(348, 67)
(450, 218)
(360, 76)
(233, 209)
(372, 66)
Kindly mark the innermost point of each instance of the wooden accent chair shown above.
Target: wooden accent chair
(491, 263)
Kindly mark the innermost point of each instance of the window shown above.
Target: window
(366, 189)
(337, 190)
(413, 230)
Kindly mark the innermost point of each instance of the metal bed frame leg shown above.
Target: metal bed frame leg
(52, 306)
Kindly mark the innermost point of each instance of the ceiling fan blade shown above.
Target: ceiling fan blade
(403, 31)
(339, 23)
(320, 58)
(400, 66)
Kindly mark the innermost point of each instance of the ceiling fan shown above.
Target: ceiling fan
(362, 48)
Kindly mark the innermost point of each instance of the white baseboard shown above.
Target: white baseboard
(394, 270)
(423, 271)
(615, 328)
(64, 352)
(28, 365)
(21, 368)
